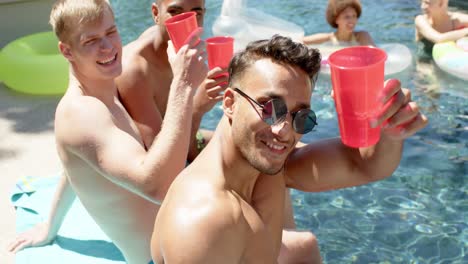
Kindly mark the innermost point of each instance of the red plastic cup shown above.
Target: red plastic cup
(220, 51)
(180, 27)
(357, 75)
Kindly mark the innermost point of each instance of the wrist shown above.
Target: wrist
(197, 114)
(391, 139)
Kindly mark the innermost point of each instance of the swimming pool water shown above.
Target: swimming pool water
(420, 214)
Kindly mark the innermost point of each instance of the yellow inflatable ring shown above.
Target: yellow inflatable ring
(452, 57)
(34, 65)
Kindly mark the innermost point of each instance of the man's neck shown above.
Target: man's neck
(239, 175)
(344, 35)
(159, 46)
(440, 18)
(103, 89)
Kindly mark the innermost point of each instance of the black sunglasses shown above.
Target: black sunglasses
(274, 111)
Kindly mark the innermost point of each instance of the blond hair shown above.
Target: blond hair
(335, 7)
(67, 14)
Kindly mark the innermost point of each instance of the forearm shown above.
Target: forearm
(381, 160)
(314, 39)
(61, 204)
(167, 156)
(448, 36)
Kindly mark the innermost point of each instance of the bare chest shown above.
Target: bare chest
(159, 83)
(264, 218)
(123, 121)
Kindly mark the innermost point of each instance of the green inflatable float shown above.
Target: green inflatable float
(34, 65)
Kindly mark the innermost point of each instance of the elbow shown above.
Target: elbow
(379, 174)
(438, 40)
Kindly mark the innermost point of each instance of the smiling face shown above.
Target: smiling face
(347, 19)
(165, 9)
(266, 147)
(94, 49)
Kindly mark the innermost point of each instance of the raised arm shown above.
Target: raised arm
(45, 232)
(207, 95)
(329, 165)
(317, 38)
(425, 30)
(119, 156)
(138, 100)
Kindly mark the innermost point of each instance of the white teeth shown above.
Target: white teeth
(108, 60)
(275, 147)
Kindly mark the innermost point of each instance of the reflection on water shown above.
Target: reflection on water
(419, 215)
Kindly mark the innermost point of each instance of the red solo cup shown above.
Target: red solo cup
(220, 51)
(180, 27)
(357, 75)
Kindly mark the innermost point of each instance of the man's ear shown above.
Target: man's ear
(65, 49)
(228, 102)
(155, 12)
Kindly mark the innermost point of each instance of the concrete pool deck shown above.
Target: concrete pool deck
(27, 147)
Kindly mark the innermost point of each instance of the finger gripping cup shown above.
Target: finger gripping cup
(357, 77)
(180, 27)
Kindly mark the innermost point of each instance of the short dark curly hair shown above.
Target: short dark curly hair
(281, 50)
(335, 7)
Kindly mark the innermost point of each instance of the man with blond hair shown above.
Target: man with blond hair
(119, 180)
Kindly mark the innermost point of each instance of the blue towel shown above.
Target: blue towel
(80, 240)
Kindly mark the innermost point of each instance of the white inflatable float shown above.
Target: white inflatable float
(452, 57)
(398, 56)
(248, 24)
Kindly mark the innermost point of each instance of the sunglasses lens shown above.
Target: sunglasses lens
(304, 121)
(274, 111)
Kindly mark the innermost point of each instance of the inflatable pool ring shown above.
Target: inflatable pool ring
(247, 24)
(452, 57)
(33, 65)
(398, 56)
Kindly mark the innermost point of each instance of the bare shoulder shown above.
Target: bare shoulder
(420, 20)
(364, 38)
(201, 220)
(201, 203)
(362, 34)
(78, 117)
(133, 71)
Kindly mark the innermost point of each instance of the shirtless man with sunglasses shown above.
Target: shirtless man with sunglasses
(226, 206)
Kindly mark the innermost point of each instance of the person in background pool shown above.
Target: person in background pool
(342, 15)
(437, 24)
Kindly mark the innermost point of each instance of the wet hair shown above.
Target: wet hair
(335, 7)
(67, 14)
(279, 49)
